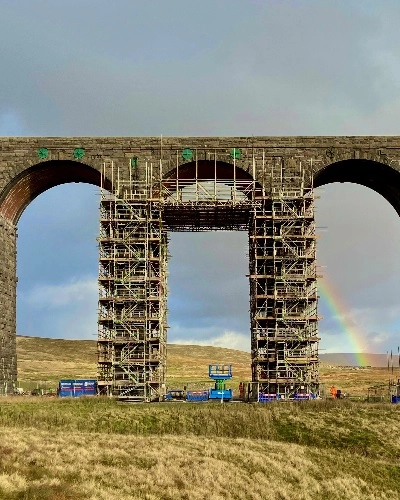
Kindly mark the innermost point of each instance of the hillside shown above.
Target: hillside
(352, 359)
(44, 361)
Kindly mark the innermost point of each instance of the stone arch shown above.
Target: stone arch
(14, 198)
(37, 179)
(380, 177)
(208, 169)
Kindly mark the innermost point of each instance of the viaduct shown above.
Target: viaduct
(144, 181)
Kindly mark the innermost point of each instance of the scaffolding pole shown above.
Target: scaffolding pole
(132, 291)
(283, 286)
(135, 216)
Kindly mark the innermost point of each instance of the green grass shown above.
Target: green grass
(314, 449)
(95, 449)
(366, 429)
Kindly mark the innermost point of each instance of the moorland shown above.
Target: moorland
(55, 449)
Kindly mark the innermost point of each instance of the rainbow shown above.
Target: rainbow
(338, 308)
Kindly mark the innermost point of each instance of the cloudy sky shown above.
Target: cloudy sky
(222, 67)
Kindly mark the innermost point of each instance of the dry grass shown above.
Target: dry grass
(52, 449)
(188, 364)
(45, 465)
(44, 361)
(97, 449)
(355, 381)
(362, 428)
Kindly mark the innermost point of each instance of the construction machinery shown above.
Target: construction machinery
(220, 374)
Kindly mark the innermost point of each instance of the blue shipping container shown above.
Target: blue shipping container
(77, 388)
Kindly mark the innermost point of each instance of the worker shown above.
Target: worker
(333, 392)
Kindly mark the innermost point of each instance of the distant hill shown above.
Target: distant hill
(44, 361)
(47, 349)
(47, 360)
(352, 359)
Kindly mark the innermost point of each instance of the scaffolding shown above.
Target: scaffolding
(132, 291)
(206, 197)
(283, 286)
(135, 218)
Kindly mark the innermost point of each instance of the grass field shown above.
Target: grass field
(54, 449)
(98, 449)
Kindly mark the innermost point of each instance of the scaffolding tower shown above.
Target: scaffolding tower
(135, 217)
(132, 290)
(283, 286)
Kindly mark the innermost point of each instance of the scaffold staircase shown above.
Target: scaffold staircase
(132, 292)
(283, 286)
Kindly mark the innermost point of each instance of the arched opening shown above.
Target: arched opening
(217, 195)
(359, 286)
(57, 290)
(15, 198)
(380, 177)
(39, 178)
(208, 169)
(207, 213)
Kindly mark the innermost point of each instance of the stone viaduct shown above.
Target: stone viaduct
(31, 165)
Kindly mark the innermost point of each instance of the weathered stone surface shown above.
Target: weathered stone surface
(371, 161)
(8, 357)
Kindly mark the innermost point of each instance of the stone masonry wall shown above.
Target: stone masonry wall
(17, 154)
(23, 176)
(8, 356)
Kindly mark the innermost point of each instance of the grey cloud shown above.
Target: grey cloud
(362, 239)
(207, 280)
(360, 249)
(226, 68)
(57, 236)
(64, 310)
